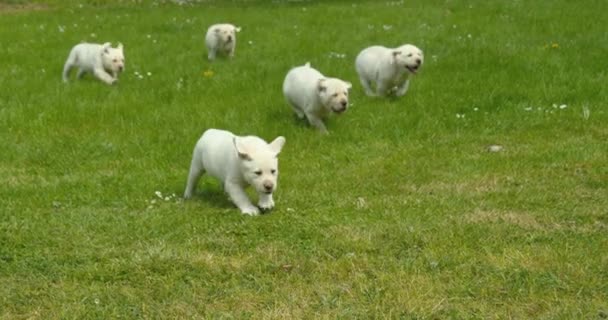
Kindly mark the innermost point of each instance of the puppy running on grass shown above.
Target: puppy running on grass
(237, 162)
(103, 61)
(221, 38)
(314, 96)
(388, 69)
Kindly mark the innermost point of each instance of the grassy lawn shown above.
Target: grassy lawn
(400, 212)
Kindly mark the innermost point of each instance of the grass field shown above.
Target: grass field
(400, 212)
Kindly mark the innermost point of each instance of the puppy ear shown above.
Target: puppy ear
(237, 29)
(321, 85)
(395, 54)
(120, 46)
(277, 144)
(348, 85)
(241, 149)
(106, 47)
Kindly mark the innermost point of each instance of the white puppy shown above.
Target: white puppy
(314, 96)
(388, 69)
(103, 61)
(237, 162)
(221, 38)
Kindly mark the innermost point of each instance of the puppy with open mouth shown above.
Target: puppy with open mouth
(221, 39)
(388, 69)
(314, 96)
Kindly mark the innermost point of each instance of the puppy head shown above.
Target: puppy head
(259, 162)
(334, 94)
(226, 32)
(113, 59)
(409, 57)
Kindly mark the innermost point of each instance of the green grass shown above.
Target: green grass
(400, 212)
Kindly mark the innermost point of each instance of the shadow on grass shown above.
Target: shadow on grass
(212, 195)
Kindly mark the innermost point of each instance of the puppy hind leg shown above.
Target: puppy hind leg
(382, 89)
(66, 69)
(80, 73)
(401, 90)
(196, 171)
(298, 112)
(367, 86)
(316, 122)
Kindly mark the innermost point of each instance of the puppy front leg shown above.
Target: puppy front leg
(231, 52)
(211, 55)
(316, 122)
(240, 199)
(265, 202)
(103, 76)
(401, 90)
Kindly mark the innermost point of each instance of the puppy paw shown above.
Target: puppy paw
(266, 205)
(251, 211)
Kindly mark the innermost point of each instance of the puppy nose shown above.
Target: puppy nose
(268, 186)
(344, 103)
(418, 61)
(229, 38)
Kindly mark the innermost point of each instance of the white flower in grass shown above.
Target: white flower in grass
(337, 55)
(158, 194)
(61, 29)
(387, 27)
(460, 115)
(93, 35)
(528, 109)
(495, 148)
(475, 109)
(250, 42)
(563, 106)
(149, 74)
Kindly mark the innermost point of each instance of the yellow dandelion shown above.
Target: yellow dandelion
(554, 45)
(208, 74)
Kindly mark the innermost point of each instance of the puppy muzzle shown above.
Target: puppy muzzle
(268, 187)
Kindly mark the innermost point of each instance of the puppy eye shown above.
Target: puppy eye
(115, 60)
(273, 171)
(258, 172)
(409, 55)
(334, 95)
